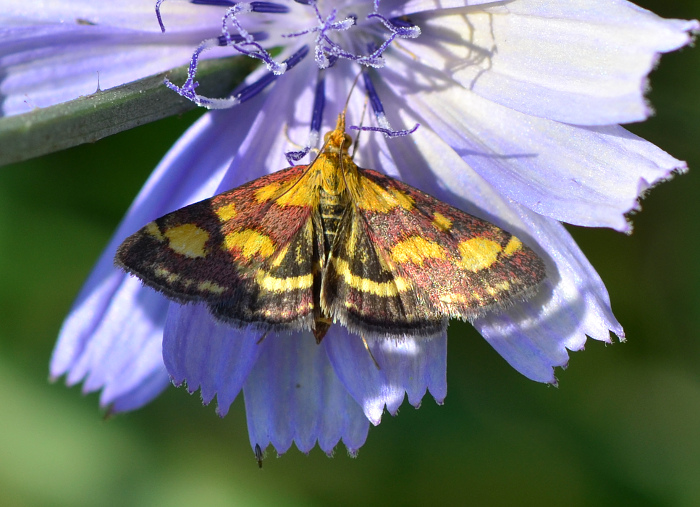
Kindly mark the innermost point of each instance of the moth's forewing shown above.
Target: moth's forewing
(406, 262)
(250, 259)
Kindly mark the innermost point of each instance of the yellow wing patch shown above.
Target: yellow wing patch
(275, 284)
(187, 240)
(453, 298)
(498, 288)
(153, 230)
(365, 285)
(212, 287)
(166, 274)
(300, 192)
(277, 261)
(441, 222)
(370, 196)
(514, 245)
(415, 250)
(227, 212)
(250, 242)
(478, 253)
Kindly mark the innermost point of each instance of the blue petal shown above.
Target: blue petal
(293, 394)
(133, 14)
(144, 392)
(47, 64)
(573, 302)
(407, 366)
(112, 301)
(397, 8)
(116, 345)
(208, 354)
(588, 176)
(572, 305)
(583, 62)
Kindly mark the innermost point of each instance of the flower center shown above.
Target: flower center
(353, 30)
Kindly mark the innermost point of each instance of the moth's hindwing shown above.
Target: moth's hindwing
(405, 262)
(249, 253)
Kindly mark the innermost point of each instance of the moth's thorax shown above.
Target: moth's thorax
(335, 160)
(333, 197)
(334, 169)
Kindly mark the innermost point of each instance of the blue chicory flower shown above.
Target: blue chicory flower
(519, 105)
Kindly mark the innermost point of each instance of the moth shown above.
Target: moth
(329, 243)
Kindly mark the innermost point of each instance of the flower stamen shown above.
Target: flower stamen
(259, 52)
(158, 16)
(316, 117)
(216, 3)
(378, 109)
(326, 53)
(322, 28)
(188, 89)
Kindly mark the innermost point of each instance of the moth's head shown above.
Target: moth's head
(337, 141)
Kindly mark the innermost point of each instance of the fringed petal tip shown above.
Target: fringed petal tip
(537, 350)
(644, 187)
(439, 397)
(416, 401)
(221, 409)
(380, 376)
(353, 443)
(263, 453)
(352, 446)
(117, 397)
(615, 336)
(217, 366)
(293, 395)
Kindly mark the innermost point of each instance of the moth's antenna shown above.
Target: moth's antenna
(359, 131)
(345, 108)
(325, 143)
(352, 88)
(285, 129)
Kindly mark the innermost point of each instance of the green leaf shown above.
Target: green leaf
(92, 117)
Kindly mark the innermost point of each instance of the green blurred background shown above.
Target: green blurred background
(622, 428)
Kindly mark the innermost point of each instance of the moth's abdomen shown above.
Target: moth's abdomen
(332, 207)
